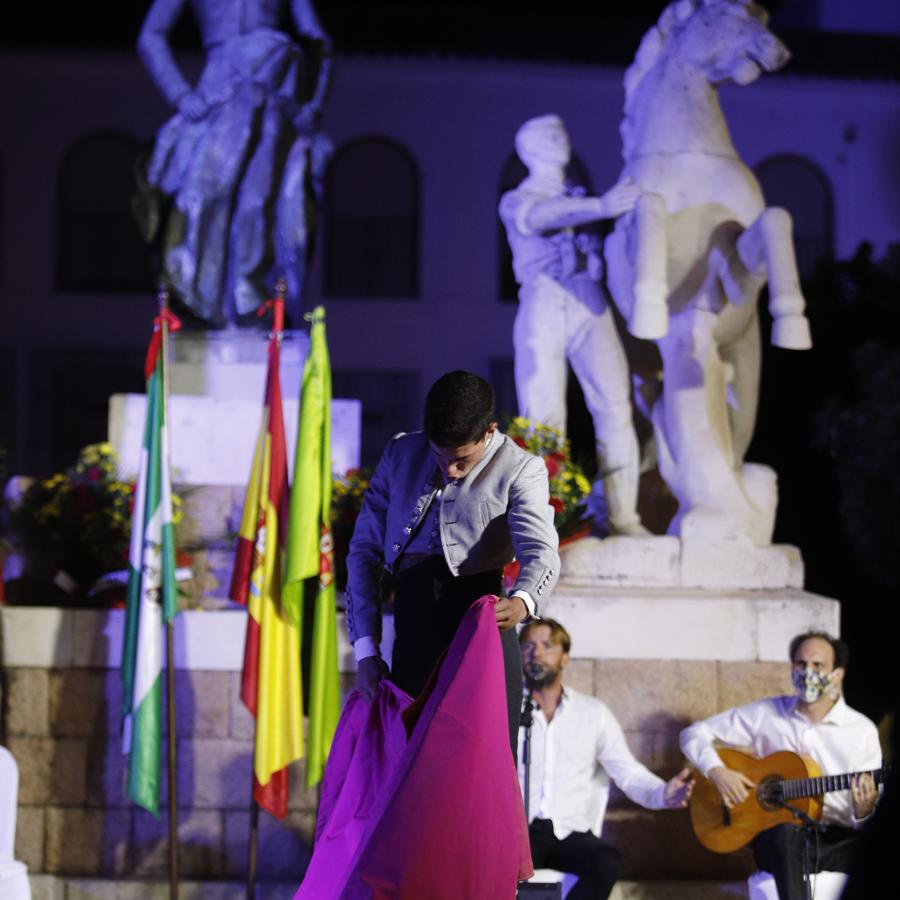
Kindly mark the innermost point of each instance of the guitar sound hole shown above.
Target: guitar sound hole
(769, 793)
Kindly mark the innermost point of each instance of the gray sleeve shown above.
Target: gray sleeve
(534, 537)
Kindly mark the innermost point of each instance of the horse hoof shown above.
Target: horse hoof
(791, 333)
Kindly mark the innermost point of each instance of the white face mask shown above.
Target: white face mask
(810, 685)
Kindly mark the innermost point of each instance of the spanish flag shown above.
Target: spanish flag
(271, 682)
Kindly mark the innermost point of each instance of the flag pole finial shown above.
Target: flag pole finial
(277, 307)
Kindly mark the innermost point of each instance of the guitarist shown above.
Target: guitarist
(815, 722)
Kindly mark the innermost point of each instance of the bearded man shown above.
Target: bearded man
(577, 748)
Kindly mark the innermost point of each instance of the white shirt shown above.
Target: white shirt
(843, 741)
(573, 758)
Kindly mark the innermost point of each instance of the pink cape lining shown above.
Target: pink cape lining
(438, 815)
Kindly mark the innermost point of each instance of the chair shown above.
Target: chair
(551, 876)
(13, 875)
(826, 885)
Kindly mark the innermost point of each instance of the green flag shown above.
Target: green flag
(151, 598)
(310, 548)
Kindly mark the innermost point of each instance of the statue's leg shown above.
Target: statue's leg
(650, 313)
(694, 433)
(768, 246)
(539, 340)
(252, 253)
(598, 360)
(742, 357)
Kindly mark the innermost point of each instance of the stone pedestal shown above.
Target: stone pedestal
(217, 384)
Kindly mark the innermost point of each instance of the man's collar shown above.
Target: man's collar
(837, 715)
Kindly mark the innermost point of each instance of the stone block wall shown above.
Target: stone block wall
(60, 718)
(74, 817)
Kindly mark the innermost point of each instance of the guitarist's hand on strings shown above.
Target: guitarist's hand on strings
(864, 794)
(733, 786)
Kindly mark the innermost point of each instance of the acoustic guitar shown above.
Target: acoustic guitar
(783, 777)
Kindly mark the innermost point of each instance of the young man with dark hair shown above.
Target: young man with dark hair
(446, 510)
(577, 748)
(814, 722)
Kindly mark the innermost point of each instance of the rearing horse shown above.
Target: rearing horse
(686, 267)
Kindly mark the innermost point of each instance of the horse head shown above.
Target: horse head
(730, 40)
(712, 40)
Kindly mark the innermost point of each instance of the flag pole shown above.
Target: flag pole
(170, 635)
(276, 334)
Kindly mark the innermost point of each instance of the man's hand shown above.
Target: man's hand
(864, 794)
(510, 611)
(678, 790)
(369, 673)
(620, 198)
(193, 106)
(734, 787)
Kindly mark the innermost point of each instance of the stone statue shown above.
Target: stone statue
(235, 174)
(686, 266)
(563, 313)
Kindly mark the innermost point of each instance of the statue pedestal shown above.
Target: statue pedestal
(666, 632)
(217, 382)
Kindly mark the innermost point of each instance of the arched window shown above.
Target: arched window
(801, 187)
(511, 175)
(99, 246)
(372, 221)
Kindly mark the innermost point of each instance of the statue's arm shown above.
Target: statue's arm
(568, 212)
(561, 212)
(153, 47)
(309, 26)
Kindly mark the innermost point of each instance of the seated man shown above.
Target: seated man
(577, 746)
(815, 722)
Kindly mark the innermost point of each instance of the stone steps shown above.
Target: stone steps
(53, 887)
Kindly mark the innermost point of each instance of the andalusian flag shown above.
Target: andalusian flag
(271, 685)
(151, 593)
(310, 546)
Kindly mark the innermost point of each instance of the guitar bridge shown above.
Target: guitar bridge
(726, 815)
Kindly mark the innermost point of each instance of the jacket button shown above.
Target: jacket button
(407, 529)
(396, 548)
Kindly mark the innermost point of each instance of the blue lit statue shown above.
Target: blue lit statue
(235, 175)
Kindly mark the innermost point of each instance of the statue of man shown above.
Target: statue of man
(564, 314)
(235, 174)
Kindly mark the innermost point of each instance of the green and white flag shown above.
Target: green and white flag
(151, 599)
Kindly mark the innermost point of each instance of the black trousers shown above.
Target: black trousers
(429, 604)
(597, 864)
(779, 850)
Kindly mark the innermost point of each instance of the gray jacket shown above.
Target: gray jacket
(499, 510)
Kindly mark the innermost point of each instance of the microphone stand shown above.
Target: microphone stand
(807, 825)
(527, 721)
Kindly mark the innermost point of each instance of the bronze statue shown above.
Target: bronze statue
(231, 186)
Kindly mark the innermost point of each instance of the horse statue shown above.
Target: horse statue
(685, 267)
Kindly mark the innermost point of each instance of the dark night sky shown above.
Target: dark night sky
(571, 30)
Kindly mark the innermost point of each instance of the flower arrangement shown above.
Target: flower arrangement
(568, 483)
(346, 500)
(81, 518)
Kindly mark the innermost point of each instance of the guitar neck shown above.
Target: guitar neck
(795, 788)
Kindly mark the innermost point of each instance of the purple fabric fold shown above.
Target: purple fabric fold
(437, 815)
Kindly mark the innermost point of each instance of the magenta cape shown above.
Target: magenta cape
(438, 815)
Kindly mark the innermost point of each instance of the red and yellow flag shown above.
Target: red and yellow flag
(271, 685)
